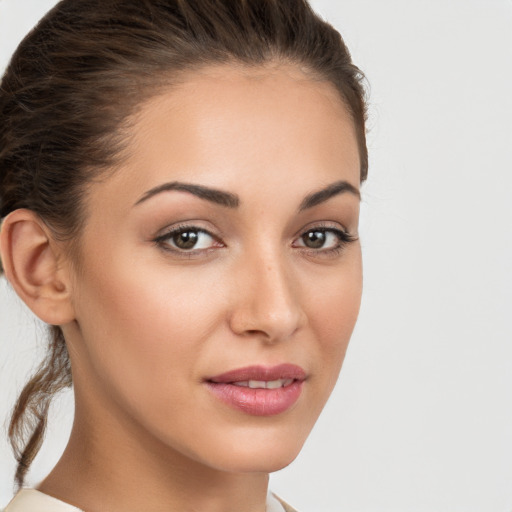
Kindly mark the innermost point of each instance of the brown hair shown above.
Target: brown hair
(78, 77)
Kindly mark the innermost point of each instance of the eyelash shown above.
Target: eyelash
(344, 239)
(162, 241)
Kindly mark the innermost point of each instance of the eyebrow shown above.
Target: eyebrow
(231, 200)
(339, 187)
(210, 194)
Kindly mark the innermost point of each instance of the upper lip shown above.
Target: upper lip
(261, 373)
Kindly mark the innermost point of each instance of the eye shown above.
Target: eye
(324, 239)
(316, 239)
(186, 238)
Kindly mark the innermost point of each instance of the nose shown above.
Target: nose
(267, 300)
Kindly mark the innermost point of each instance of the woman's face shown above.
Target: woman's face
(220, 271)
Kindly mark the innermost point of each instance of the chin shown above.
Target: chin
(257, 454)
(266, 462)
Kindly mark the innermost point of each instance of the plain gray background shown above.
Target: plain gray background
(421, 419)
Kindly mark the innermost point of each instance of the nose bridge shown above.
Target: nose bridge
(268, 300)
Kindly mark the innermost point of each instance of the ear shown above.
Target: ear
(32, 261)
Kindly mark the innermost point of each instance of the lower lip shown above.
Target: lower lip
(257, 402)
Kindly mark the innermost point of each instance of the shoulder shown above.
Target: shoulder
(284, 505)
(31, 500)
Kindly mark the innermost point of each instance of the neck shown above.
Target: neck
(113, 465)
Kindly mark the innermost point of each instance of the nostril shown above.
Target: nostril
(254, 331)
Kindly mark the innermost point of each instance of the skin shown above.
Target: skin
(147, 325)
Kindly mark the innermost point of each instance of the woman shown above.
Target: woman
(180, 197)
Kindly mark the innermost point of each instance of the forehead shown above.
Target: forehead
(235, 127)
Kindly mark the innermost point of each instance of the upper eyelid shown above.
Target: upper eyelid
(323, 225)
(344, 238)
(169, 230)
(161, 241)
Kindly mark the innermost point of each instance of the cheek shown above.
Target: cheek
(334, 308)
(142, 327)
(150, 303)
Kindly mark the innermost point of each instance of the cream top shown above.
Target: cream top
(32, 500)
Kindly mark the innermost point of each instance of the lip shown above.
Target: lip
(281, 371)
(259, 401)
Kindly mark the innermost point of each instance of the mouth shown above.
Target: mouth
(264, 384)
(259, 390)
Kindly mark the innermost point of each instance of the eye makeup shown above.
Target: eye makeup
(191, 240)
(325, 241)
(188, 240)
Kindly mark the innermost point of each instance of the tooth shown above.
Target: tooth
(242, 383)
(274, 384)
(255, 384)
(287, 382)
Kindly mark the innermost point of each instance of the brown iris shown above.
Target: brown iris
(314, 239)
(185, 239)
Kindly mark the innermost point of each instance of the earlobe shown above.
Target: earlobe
(31, 261)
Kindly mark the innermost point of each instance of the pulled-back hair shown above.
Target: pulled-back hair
(76, 80)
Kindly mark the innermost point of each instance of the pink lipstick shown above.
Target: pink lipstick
(259, 390)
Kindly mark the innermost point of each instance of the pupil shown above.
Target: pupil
(314, 239)
(186, 239)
